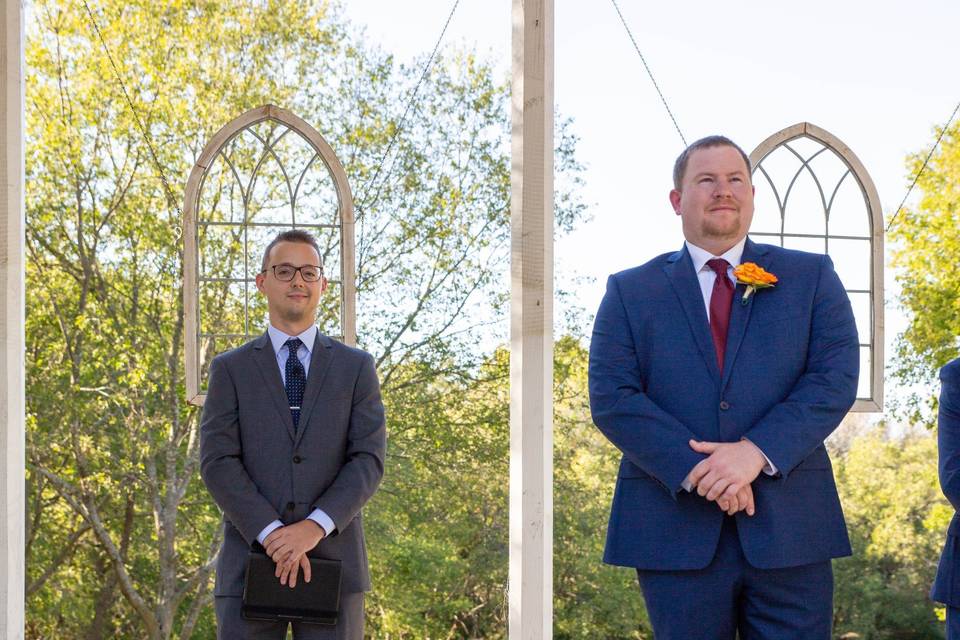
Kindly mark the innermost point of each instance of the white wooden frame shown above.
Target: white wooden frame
(531, 323)
(873, 403)
(12, 323)
(348, 291)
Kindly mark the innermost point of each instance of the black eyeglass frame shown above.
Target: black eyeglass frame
(319, 269)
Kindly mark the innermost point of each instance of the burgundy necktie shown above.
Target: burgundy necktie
(720, 302)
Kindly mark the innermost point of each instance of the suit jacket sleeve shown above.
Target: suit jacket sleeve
(362, 470)
(948, 433)
(221, 463)
(825, 390)
(647, 435)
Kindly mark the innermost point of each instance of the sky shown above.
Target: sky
(879, 76)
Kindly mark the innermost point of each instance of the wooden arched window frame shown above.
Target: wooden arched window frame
(201, 344)
(805, 154)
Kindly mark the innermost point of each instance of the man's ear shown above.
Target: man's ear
(259, 280)
(323, 284)
(675, 200)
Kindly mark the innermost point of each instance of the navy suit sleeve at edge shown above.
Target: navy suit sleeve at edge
(362, 471)
(825, 391)
(221, 466)
(647, 435)
(948, 433)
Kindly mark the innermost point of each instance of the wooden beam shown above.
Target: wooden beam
(531, 324)
(12, 322)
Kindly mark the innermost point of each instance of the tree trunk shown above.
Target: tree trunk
(101, 627)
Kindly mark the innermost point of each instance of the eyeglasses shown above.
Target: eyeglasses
(286, 272)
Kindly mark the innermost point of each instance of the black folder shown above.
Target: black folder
(264, 598)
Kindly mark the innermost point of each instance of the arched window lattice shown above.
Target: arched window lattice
(265, 172)
(814, 194)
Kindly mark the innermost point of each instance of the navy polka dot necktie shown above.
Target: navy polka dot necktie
(296, 379)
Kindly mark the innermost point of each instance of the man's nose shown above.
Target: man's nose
(722, 189)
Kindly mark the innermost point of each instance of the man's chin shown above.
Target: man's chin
(726, 232)
(294, 316)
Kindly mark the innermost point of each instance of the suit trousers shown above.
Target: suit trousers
(731, 596)
(953, 623)
(232, 626)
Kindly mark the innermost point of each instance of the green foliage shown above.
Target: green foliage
(591, 599)
(439, 526)
(122, 534)
(112, 438)
(439, 529)
(897, 519)
(926, 255)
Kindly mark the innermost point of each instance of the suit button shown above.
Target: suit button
(724, 405)
(290, 506)
(297, 459)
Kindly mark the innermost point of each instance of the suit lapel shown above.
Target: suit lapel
(266, 359)
(679, 270)
(740, 313)
(320, 357)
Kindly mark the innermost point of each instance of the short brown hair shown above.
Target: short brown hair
(291, 235)
(680, 166)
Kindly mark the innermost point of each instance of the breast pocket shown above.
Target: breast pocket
(785, 315)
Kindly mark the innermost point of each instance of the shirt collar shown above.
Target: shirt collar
(278, 338)
(701, 256)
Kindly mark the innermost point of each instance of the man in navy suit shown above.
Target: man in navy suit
(720, 401)
(946, 586)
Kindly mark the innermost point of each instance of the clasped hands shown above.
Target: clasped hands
(288, 546)
(726, 474)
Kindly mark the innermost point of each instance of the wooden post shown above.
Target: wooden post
(531, 324)
(12, 408)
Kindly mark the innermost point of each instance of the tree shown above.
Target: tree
(439, 529)
(927, 256)
(446, 535)
(117, 508)
(897, 520)
(591, 600)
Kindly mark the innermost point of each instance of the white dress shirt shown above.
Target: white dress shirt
(278, 339)
(707, 276)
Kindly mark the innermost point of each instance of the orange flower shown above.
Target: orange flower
(754, 277)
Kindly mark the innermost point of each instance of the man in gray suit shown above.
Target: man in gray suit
(292, 442)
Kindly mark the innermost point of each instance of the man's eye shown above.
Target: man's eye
(284, 271)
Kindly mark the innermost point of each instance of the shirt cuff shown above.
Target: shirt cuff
(267, 530)
(769, 468)
(321, 518)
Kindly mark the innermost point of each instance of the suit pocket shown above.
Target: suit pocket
(231, 563)
(954, 528)
(630, 470)
(816, 460)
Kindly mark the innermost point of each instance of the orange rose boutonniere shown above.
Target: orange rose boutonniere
(754, 277)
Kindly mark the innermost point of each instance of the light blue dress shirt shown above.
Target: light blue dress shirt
(278, 339)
